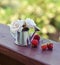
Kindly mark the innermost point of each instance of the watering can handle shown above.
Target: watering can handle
(32, 35)
(36, 29)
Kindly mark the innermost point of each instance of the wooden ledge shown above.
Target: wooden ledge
(26, 55)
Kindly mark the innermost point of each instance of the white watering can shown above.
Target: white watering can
(21, 33)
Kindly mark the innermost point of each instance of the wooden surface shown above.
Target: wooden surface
(5, 60)
(27, 55)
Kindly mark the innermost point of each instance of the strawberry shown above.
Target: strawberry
(36, 37)
(50, 46)
(44, 47)
(34, 43)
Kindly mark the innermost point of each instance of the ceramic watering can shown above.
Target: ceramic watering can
(22, 37)
(21, 34)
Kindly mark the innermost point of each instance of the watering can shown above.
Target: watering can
(21, 37)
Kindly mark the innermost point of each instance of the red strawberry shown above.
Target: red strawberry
(50, 46)
(34, 43)
(44, 47)
(37, 37)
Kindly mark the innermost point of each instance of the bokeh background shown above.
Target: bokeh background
(45, 13)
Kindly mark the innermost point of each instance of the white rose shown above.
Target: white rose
(30, 23)
(17, 25)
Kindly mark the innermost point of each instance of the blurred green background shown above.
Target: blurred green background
(46, 14)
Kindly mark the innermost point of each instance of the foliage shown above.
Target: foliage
(46, 13)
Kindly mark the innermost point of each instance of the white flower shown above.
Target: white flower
(17, 25)
(30, 23)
